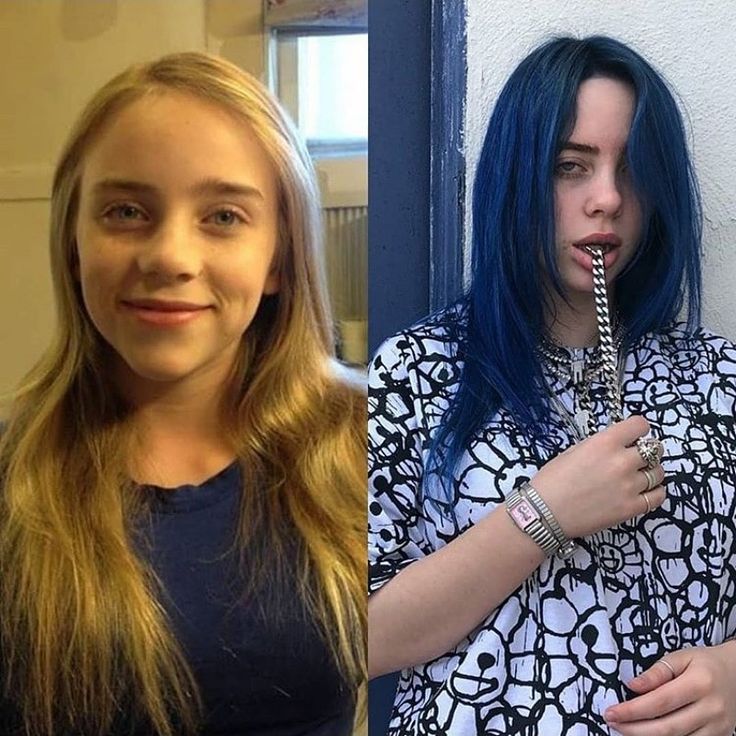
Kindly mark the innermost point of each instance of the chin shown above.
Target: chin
(162, 370)
(578, 283)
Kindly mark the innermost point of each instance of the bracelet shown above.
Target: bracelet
(531, 514)
(566, 546)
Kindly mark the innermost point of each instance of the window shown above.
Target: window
(318, 67)
(322, 79)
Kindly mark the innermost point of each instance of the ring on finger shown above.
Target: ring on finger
(651, 477)
(651, 450)
(667, 665)
(646, 500)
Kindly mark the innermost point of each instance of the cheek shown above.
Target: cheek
(241, 289)
(564, 205)
(100, 278)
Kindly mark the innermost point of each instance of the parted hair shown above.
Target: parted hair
(84, 635)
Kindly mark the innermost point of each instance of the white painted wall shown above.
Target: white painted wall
(692, 44)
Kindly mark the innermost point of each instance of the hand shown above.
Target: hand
(699, 700)
(598, 483)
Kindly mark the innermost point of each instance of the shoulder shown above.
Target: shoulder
(347, 378)
(428, 350)
(344, 397)
(698, 365)
(698, 351)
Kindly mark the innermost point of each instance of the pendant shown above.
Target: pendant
(582, 421)
(578, 365)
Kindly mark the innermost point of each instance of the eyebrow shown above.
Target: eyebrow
(206, 186)
(580, 147)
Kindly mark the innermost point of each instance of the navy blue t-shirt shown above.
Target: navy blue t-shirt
(261, 671)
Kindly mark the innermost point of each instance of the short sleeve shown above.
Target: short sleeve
(395, 465)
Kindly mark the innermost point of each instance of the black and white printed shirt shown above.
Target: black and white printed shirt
(555, 654)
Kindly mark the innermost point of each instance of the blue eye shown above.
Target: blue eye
(124, 212)
(226, 218)
(569, 169)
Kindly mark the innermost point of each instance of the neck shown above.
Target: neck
(178, 427)
(573, 323)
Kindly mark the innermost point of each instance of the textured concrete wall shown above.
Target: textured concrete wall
(692, 44)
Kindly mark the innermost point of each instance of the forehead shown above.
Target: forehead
(603, 113)
(171, 138)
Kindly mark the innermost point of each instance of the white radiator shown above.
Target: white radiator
(346, 250)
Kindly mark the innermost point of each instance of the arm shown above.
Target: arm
(415, 617)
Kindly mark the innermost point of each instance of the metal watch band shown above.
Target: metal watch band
(531, 493)
(535, 527)
(565, 546)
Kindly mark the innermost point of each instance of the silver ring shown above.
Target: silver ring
(651, 478)
(651, 450)
(667, 665)
(646, 500)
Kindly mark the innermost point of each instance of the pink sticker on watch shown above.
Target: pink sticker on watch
(524, 513)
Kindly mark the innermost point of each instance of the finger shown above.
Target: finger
(660, 673)
(638, 460)
(656, 497)
(647, 501)
(633, 458)
(659, 692)
(657, 702)
(628, 431)
(655, 676)
(683, 722)
(658, 473)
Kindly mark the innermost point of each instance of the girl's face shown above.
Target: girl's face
(594, 197)
(176, 236)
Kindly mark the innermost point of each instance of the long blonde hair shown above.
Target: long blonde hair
(81, 626)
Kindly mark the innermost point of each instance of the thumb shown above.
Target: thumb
(664, 670)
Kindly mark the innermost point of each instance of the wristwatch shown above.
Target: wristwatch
(566, 547)
(532, 515)
(529, 519)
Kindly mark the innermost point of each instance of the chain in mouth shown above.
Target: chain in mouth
(590, 248)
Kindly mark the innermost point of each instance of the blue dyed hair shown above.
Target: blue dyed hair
(514, 231)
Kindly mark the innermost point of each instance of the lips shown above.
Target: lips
(164, 305)
(605, 241)
(163, 312)
(583, 249)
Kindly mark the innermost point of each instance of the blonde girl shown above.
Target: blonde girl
(183, 472)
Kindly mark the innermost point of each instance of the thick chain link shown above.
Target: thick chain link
(605, 336)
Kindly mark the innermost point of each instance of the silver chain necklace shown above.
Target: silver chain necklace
(605, 363)
(609, 350)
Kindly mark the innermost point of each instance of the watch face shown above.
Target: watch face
(524, 514)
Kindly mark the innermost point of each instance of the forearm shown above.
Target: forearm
(433, 603)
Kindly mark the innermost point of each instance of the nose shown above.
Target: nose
(172, 252)
(605, 197)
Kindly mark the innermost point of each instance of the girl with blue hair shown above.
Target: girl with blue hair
(538, 566)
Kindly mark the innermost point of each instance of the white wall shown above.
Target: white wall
(692, 44)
